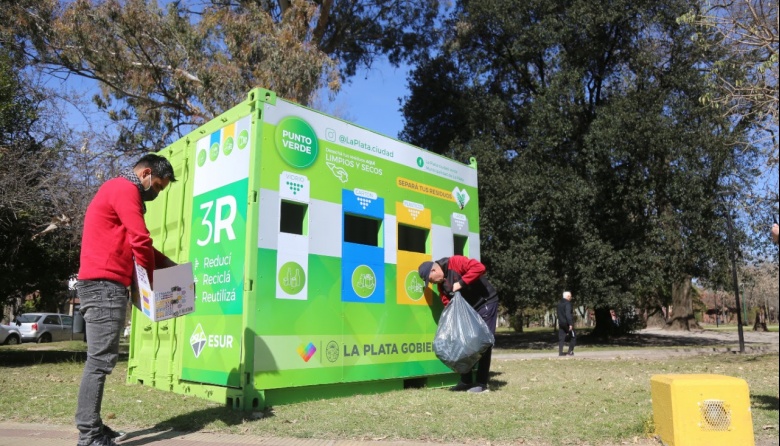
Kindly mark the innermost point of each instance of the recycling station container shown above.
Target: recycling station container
(305, 233)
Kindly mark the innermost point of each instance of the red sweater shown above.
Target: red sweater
(114, 233)
(466, 271)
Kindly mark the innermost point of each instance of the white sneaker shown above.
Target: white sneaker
(479, 388)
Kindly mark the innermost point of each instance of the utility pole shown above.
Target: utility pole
(733, 255)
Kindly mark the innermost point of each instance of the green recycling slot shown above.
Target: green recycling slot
(305, 233)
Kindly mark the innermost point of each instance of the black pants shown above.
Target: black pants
(562, 332)
(489, 313)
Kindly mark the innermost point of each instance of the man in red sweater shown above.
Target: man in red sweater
(114, 236)
(459, 273)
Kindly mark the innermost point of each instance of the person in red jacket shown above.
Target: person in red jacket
(114, 236)
(459, 273)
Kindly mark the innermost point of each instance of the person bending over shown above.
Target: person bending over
(459, 273)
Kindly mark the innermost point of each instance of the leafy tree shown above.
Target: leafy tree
(164, 70)
(744, 79)
(32, 258)
(759, 293)
(598, 163)
(746, 75)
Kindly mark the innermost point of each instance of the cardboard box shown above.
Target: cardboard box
(173, 296)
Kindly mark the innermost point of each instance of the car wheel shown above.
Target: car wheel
(12, 340)
(46, 337)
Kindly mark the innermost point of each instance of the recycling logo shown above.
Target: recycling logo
(292, 278)
(198, 340)
(243, 139)
(363, 281)
(414, 286)
(228, 146)
(461, 197)
(214, 151)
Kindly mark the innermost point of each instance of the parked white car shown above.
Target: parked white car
(46, 327)
(9, 335)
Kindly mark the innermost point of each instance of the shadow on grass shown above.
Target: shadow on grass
(50, 354)
(495, 383)
(190, 422)
(766, 402)
(548, 340)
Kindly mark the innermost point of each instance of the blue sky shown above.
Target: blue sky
(370, 99)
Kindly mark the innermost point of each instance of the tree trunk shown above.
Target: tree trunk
(603, 326)
(520, 320)
(654, 318)
(682, 318)
(760, 324)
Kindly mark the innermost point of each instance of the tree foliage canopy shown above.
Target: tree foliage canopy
(29, 196)
(598, 163)
(744, 79)
(164, 70)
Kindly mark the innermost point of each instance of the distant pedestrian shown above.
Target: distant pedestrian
(615, 318)
(614, 327)
(566, 325)
(459, 273)
(114, 235)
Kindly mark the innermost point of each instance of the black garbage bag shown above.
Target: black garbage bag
(462, 336)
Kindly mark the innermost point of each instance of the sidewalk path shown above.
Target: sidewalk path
(750, 336)
(755, 343)
(18, 434)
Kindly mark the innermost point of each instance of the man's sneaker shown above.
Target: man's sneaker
(461, 387)
(571, 353)
(103, 440)
(114, 435)
(479, 388)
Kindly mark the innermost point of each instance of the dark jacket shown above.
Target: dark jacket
(565, 318)
(475, 288)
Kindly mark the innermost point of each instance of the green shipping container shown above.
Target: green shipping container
(305, 233)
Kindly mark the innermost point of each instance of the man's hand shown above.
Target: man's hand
(456, 287)
(167, 264)
(775, 233)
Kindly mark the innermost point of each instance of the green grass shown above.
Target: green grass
(578, 401)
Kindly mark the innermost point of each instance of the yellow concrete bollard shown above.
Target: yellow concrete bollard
(702, 410)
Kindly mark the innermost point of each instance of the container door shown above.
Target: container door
(212, 336)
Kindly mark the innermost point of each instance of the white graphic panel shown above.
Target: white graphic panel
(222, 157)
